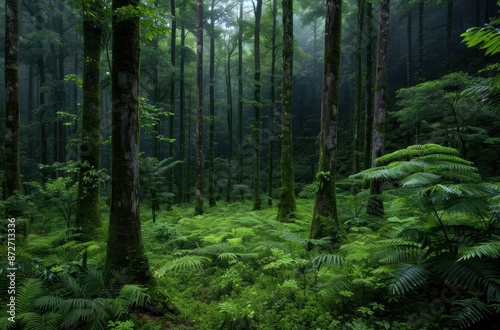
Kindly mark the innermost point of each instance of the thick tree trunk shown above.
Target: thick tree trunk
(256, 129)
(375, 202)
(88, 216)
(199, 121)
(125, 249)
(211, 135)
(12, 132)
(325, 221)
(287, 204)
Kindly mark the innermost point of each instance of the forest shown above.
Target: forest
(250, 164)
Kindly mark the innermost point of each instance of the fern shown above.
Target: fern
(485, 249)
(190, 263)
(471, 311)
(408, 278)
(329, 259)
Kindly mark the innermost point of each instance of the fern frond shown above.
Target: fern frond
(29, 290)
(134, 295)
(415, 151)
(187, 263)
(408, 278)
(420, 179)
(471, 311)
(486, 249)
(47, 303)
(335, 285)
(334, 259)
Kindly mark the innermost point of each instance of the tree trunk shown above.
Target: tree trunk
(12, 132)
(447, 43)
(408, 50)
(375, 202)
(211, 135)
(240, 98)
(256, 129)
(125, 249)
(182, 134)
(287, 204)
(198, 209)
(356, 166)
(88, 215)
(420, 64)
(367, 161)
(172, 96)
(229, 94)
(325, 221)
(272, 109)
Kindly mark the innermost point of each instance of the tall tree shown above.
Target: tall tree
(447, 42)
(198, 209)
(272, 108)
(182, 133)
(240, 96)
(256, 129)
(367, 161)
(125, 249)
(229, 95)
(325, 221)
(358, 96)
(375, 202)
(88, 216)
(211, 92)
(12, 167)
(420, 63)
(173, 31)
(287, 204)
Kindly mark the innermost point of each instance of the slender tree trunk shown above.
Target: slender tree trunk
(409, 50)
(125, 249)
(287, 204)
(272, 109)
(43, 132)
(367, 161)
(256, 129)
(211, 135)
(31, 108)
(182, 133)
(325, 207)
(356, 166)
(375, 202)
(447, 43)
(240, 98)
(229, 93)
(172, 95)
(420, 64)
(199, 122)
(88, 215)
(12, 132)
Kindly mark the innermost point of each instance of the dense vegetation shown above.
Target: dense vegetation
(363, 195)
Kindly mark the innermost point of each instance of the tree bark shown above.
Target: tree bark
(375, 202)
(367, 161)
(88, 215)
(12, 132)
(272, 108)
(182, 128)
(287, 204)
(325, 221)
(447, 42)
(229, 93)
(199, 122)
(420, 64)
(125, 249)
(211, 92)
(256, 129)
(172, 95)
(240, 97)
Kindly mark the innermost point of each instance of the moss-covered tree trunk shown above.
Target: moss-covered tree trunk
(287, 205)
(325, 221)
(198, 208)
(88, 215)
(211, 92)
(12, 132)
(125, 249)
(256, 129)
(375, 202)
